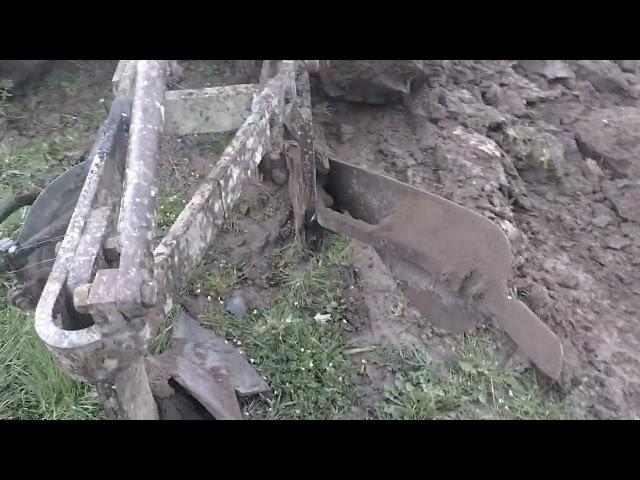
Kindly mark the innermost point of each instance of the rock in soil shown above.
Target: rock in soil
(604, 75)
(236, 305)
(611, 136)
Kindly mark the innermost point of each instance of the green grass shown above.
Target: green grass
(304, 361)
(31, 384)
(221, 141)
(311, 376)
(472, 384)
(170, 205)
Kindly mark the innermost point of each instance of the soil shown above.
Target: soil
(546, 150)
(552, 160)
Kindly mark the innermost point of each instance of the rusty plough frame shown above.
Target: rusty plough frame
(109, 290)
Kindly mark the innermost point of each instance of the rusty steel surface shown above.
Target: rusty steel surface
(135, 281)
(55, 316)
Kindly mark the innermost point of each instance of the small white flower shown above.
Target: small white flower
(510, 393)
(264, 377)
(295, 303)
(302, 368)
(322, 317)
(331, 364)
(301, 349)
(364, 361)
(344, 320)
(239, 342)
(339, 379)
(208, 298)
(255, 311)
(252, 360)
(500, 401)
(310, 364)
(298, 412)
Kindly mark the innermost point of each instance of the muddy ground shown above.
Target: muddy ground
(548, 150)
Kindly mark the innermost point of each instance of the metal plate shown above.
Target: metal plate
(55, 201)
(453, 263)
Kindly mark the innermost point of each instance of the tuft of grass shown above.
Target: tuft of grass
(32, 386)
(314, 285)
(170, 205)
(215, 278)
(303, 360)
(221, 141)
(163, 339)
(471, 384)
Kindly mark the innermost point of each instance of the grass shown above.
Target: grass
(170, 205)
(472, 384)
(32, 386)
(303, 360)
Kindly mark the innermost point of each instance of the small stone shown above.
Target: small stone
(616, 242)
(602, 221)
(279, 176)
(236, 305)
(569, 280)
(514, 103)
(631, 230)
(629, 66)
(550, 69)
(604, 75)
(345, 132)
(492, 95)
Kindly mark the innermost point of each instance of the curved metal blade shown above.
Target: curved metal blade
(452, 262)
(57, 200)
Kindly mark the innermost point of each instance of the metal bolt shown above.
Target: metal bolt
(81, 297)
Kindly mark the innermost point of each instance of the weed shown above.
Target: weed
(472, 384)
(304, 361)
(314, 285)
(31, 384)
(214, 278)
(221, 141)
(170, 205)
(163, 339)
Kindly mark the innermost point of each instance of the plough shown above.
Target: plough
(108, 291)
